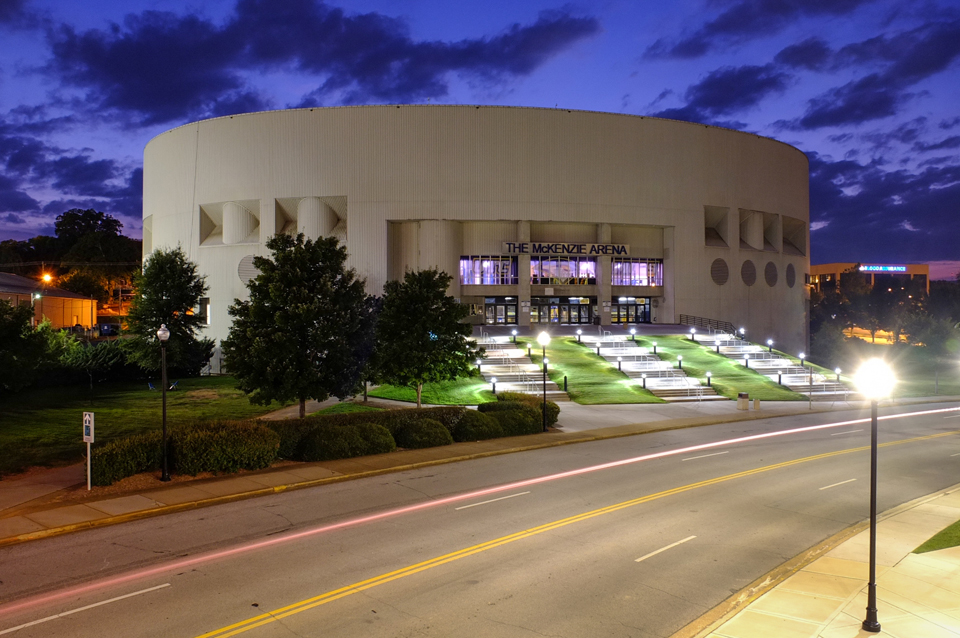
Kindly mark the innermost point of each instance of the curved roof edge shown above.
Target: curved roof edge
(477, 106)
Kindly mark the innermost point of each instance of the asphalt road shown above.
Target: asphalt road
(542, 543)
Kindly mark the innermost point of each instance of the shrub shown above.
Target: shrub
(501, 406)
(423, 433)
(393, 420)
(521, 419)
(553, 410)
(125, 457)
(476, 426)
(223, 446)
(291, 432)
(330, 442)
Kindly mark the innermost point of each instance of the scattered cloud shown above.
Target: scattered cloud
(950, 142)
(726, 91)
(10, 218)
(748, 20)
(160, 66)
(812, 54)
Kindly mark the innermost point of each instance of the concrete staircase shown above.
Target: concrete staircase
(649, 370)
(776, 367)
(514, 371)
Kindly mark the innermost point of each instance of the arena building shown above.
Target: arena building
(542, 216)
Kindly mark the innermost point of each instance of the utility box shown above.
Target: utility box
(743, 400)
(756, 404)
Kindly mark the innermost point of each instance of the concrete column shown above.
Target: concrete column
(523, 277)
(238, 223)
(604, 270)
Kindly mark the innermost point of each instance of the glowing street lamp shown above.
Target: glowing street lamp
(579, 332)
(163, 334)
(493, 381)
(620, 364)
(643, 377)
(514, 335)
(654, 347)
(544, 339)
(769, 345)
(746, 360)
(709, 375)
(743, 333)
(717, 344)
(479, 364)
(837, 371)
(693, 334)
(780, 377)
(633, 334)
(680, 361)
(801, 359)
(875, 381)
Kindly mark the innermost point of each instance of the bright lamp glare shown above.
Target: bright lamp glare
(543, 339)
(875, 379)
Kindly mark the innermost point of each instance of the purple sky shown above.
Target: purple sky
(868, 89)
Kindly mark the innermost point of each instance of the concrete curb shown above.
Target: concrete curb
(716, 617)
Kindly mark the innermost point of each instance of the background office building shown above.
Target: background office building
(827, 276)
(541, 216)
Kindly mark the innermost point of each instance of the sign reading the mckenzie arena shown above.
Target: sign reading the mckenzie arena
(879, 268)
(539, 248)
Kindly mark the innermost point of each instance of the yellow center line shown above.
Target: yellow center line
(336, 594)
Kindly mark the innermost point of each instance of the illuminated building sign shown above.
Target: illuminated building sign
(537, 248)
(877, 268)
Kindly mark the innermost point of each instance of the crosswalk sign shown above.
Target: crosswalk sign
(88, 427)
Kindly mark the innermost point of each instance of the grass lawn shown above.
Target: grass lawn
(949, 537)
(729, 377)
(590, 379)
(914, 367)
(462, 391)
(42, 427)
(347, 408)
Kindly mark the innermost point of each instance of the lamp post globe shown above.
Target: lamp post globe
(163, 334)
(709, 377)
(633, 334)
(769, 345)
(801, 359)
(875, 381)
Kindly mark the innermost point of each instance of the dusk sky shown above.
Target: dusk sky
(869, 90)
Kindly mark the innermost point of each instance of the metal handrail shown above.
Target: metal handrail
(711, 324)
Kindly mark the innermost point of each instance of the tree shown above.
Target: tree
(420, 335)
(167, 291)
(941, 338)
(306, 331)
(22, 349)
(75, 224)
(94, 359)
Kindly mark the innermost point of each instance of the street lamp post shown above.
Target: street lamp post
(717, 344)
(837, 371)
(875, 381)
(479, 363)
(779, 377)
(709, 376)
(743, 333)
(654, 347)
(163, 334)
(633, 334)
(644, 378)
(579, 332)
(514, 336)
(544, 339)
(769, 345)
(746, 360)
(493, 382)
(693, 334)
(680, 361)
(801, 359)
(620, 364)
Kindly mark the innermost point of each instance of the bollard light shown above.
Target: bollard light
(875, 381)
(478, 365)
(693, 334)
(680, 361)
(743, 332)
(717, 343)
(579, 332)
(644, 378)
(780, 377)
(746, 359)
(529, 347)
(801, 359)
(620, 364)
(514, 336)
(837, 371)
(654, 347)
(493, 381)
(598, 348)
(769, 345)
(633, 334)
(709, 375)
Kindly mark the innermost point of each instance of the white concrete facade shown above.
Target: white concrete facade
(408, 187)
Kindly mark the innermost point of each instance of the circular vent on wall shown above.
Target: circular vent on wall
(791, 276)
(748, 272)
(246, 270)
(770, 274)
(719, 272)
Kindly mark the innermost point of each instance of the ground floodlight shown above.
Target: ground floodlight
(875, 379)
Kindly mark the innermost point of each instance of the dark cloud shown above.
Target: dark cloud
(950, 142)
(907, 58)
(13, 199)
(12, 10)
(160, 66)
(747, 20)
(812, 54)
(906, 133)
(858, 201)
(728, 90)
(10, 218)
(949, 124)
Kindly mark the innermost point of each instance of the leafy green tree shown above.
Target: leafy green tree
(306, 331)
(421, 336)
(941, 341)
(75, 224)
(94, 359)
(167, 291)
(23, 350)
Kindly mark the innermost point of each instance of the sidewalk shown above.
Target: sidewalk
(918, 595)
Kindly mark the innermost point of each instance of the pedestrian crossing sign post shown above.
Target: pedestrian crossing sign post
(88, 439)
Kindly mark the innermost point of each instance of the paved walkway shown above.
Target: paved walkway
(918, 595)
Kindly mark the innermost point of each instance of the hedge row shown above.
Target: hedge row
(211, 446)
(229, 446)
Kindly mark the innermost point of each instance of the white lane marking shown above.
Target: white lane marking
(692, 458)
(953, 416)
(957, 454)
(836, 484)
(847, 432)
(493, 500)
(663, 549)
(73, 611)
